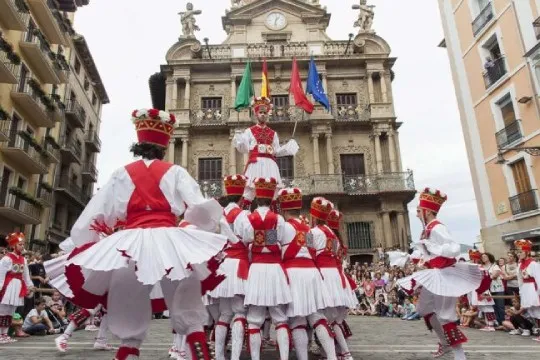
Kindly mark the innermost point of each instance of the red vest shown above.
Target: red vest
(327, 258)
(16, 272)
(264, 231)
(427, 231)
(238, 250)
(148, 207)
(263, 136)
(299, 242)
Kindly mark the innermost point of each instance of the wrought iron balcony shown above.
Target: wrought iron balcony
(482, 19)
(14, 14)
(42, 10)
(495, 72)
(89, 172)
(524, 202)
(75, 114)
(30, 102)
(92, 141)
(209, 117)
(17, 209)
(68, 187)
(39, 55)
(53, 150)
(5, 124)
(351, 112)
(211, 188)
(8, 69)
(23, 150)
(71, 151)
(45, 196)
(508, 135)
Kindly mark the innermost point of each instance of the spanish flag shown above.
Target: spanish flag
(265, 87)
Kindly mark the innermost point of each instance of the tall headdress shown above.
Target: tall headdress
(523, 245)
(334, 219)
(290, 199)
(153, 126)
(432, 199)
(265, 188)
(234, 184)
(259, 102)
(320, 208)
(15, 238)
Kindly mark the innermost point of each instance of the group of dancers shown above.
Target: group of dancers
(149, 240)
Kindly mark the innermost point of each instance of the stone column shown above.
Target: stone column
(392, 151)
(174, 103)
(378, 153)
(325, 81)
(329, 154)
(402, 231)
(316, 161)
(233, 90)
(185, 141)
(370, 87)
(170, 150)
(383, 86)
(169, 96)
(387, 230)
(187, 93)
(397, 151)
(232, 156)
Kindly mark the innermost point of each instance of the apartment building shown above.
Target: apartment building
(50, 105)
(494, 52)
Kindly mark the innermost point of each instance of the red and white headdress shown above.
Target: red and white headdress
(290, 199)
(475, 255)
(15, 238)
(432, 199)
(259, 102)
(234, 184)
(320, 208)
(334, 219)
(265, 188)
(153, 126)
(523, 245)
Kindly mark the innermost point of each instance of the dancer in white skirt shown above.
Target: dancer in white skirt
(235, 266)
(149, 195)
(309, 295)
(529, 281)
(482, 302)
(262, 144)
(267, 282)
(340, 326)
(15, 283)
(444, 279)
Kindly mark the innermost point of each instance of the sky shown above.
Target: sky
(129, 40)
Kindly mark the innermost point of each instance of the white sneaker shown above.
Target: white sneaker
(61, 343)
(526, 333)
(515, 332)
(4, 339)
(102, 344)
(536, 331)
(91, 327)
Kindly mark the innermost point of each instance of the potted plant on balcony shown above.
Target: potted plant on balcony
(48, 187)
(22, 7)
(23, 195)
(52, 141)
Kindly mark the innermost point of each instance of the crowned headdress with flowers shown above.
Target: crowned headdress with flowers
(432, 200)
(261, 102)
(153, 126)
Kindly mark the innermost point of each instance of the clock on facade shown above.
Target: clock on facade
(276, 21)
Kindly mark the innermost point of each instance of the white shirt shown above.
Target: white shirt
(248, 233)
(439, 243)
(28, 319)
(289, 233)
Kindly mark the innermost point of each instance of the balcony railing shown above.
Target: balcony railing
(24, 150)
(351, 113)
(39, 54)
(45, 196)
(76, 113)
(287, 113)
(4, 129)
(209, 117)
(14, 14)
(89, 170)
(524, 202)
(508, 135)
(64, 183)
(482, 19)
(494, 72)
(93, 142)
(211, 188)
(71, 146)
(8, 68)
(16, 206)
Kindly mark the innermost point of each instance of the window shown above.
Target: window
(77, 66)
(211, 103)
(377, 87)
(54, 89)
(352, 164)
(210, 169)
(483, 12)
(94, 99)
(360, 235)
(86, 84)
(4, 185)
(525, 198)
(280, 100)
(286, 167)
(346, 100)
(494, 64)
(511, 131)
(29, 37)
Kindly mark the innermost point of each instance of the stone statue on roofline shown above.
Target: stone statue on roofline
(189, 22)
(365, 16)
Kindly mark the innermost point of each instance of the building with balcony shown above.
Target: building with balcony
(494, 52)
(350, 155)
(50, 105)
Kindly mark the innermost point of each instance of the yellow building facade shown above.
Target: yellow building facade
(494, 53)
(50, 104)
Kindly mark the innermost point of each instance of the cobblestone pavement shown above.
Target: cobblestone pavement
(373, 339)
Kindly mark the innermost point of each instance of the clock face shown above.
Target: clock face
(276, 21)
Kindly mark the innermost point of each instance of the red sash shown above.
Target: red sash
(263, 136)
(427, 231)
(232, 215)
(299, 241)
(531, 280)
(238, 251)
(440, 262)
(148, 195)
(260, 227)
(326, 258)
(10, 275)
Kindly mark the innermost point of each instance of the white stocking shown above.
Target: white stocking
(237, 334)
(300, 340)
(327, 342)
(255, 345)
(282, 336)
(341, 342)
(437, 327)
(220, 332)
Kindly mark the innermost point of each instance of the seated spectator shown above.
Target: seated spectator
(409, 311)
(395, 310)
(517, 323)
(381, 308)
(468, 316)
(56, 306)
(37, 322)
(16, 326)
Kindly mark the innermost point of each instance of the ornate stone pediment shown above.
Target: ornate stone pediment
(304, 9)
(184, 49)
(370, 43)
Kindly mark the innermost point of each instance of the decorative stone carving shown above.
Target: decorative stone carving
(365, 16)
(299, 163)
(197, 154)
(188, 21)
(368, 158)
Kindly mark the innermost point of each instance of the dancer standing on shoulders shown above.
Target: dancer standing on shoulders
(443, 279)
(529, 281)
(262, 144)
(15, 283)
(149, 195)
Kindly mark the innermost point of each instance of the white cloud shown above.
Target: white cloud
(129, 39)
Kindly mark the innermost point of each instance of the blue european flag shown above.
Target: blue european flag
(315, 86)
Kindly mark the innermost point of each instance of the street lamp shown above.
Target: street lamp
(348, 43)
(207, 47)
(531, 150)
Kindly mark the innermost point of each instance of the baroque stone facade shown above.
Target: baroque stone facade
(349, 154)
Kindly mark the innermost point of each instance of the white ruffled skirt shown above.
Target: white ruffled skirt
(157, 252)
(453, 281)
(332, 281)
(232, 285)
(308, 292)
(529, 296)
(12, 294)
(267, 286)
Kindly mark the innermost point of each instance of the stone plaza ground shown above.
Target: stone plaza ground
(374, 339)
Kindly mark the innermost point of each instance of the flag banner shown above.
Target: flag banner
(265, 85)
(315, 86)
(300, 98)
(245, 90)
